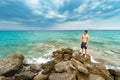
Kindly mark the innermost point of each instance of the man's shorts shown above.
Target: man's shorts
(83, 45)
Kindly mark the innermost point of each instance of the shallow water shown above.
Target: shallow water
(37, 46)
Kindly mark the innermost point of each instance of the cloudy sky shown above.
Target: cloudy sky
(59, 14)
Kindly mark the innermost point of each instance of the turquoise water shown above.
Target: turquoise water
(103, 45)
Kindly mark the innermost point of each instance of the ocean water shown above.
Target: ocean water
(37, 46)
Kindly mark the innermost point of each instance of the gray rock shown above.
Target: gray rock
(10, 65)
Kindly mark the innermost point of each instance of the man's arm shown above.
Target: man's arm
(88, 40)
(81, 39)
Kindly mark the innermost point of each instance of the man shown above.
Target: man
(84, 42)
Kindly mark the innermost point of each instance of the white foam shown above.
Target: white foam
(37, 60)
(112, 67)
(93, 60)
(107, 66)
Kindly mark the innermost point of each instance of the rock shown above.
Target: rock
(82, 58)
(10, 65)
(3, 78)
(99, 65)
(47, 67)
(79, 66)
(117, 75)
(28, 75)
(67, 51)
(62, 76)
(95, 77)
(112, 72)
(103, 72)
(81, 76)
(35, 67)
(63, 66)
(67, 57)
(63, 54)
(41, 77)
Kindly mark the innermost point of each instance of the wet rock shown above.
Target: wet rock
(112, 72)
(62, 76)
(82, 58)
(95, 77)
(10, 65)
(117, 77)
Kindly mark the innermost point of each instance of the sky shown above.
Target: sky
(59, 14)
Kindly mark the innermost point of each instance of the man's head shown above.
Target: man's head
(85, 31)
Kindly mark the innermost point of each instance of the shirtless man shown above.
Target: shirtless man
(84, 42)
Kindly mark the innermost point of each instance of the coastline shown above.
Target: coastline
(64, 65)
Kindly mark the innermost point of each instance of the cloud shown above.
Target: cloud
(46, 14)
(12, 25)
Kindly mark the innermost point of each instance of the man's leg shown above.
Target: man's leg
(85, 52)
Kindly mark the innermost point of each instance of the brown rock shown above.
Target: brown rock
(41, 77)
(3, 78)
(95, 77)
(79, 66)
(67, 51)
(62, 76)
(81, 76)
(10, 65)
(83, 59)
(35, 67)
(47, 67)
(28, 75)
(67, 57)
(103, 72)
(117, 75)
(63, 66)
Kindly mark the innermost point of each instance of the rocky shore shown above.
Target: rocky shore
(64, 66)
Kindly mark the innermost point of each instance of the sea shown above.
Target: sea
(37, 46)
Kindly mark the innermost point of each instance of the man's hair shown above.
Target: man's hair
(86, 31)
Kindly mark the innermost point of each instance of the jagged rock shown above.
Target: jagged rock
(28, 75)
(62, 76)
(81, 76)
(63, 54)
(47, 67)
(103, 72)
(63, 66)
(79, 66)
(41, 77)
(82, 58)
(10, 65)
(67, 57)
(95, 77)
(67, 51)
(35, 67)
